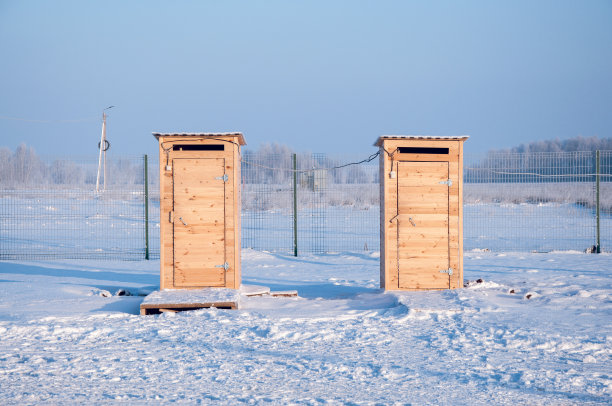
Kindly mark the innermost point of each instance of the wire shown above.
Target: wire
(539, 174)
(78, 120)
(390, 153)
(368, 159)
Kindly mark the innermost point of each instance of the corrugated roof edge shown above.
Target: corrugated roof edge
(239, 135)
(420, 137)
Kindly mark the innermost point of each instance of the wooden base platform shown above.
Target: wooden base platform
(177, 300)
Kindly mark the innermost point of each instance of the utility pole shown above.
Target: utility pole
(103, 146)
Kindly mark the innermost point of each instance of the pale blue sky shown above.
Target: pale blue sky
(321, 76)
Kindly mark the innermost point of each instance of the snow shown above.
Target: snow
(190, 296)
(528, 328)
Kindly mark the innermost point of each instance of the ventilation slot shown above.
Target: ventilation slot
(198, 147)
(423, 150)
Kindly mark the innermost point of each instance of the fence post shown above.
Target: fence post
(597, 169)
(295, 243)
(146, 204)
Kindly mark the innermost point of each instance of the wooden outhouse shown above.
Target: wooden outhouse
(199, 180)
(421, 220)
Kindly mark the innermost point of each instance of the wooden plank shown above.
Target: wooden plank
(189, 299)
(425, 251)
(284, 293)
(199, 225)
(421, 235)
(419, 284)
(437, 197)
(425, 203)
(429, 234)
(424, 179)
(435, 279)
(423, 157)
(459, 280)
(194, 277)
(383, 163)
(179, 307)
(428, 264)
(423, 244)
(421, 226)
(425, 238)
(198, 154)
(166, 232)
(428, 189)
(233, 196)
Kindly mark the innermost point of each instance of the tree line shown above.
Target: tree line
(273, 164)
(24, 167)
(571, 160)
(569, 145)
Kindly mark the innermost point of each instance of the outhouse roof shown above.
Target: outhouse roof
(380, 139)
(237, 135)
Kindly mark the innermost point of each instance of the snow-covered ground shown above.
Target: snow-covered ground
(536, 330)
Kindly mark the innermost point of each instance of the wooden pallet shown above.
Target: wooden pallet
(177, 300)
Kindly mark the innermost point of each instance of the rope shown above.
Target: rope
(368, 159)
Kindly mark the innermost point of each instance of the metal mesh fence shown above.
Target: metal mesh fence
(332, 209)
(49, 208)
(512, 202)
(267, 202)
(605, 199)
(531, 202)
(153, 207)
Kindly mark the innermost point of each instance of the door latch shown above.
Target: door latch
(224, 178)
(449, 271)
(224, 266)
(448, 182)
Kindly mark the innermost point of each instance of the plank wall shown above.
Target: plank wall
(389, 157)
(231, 155)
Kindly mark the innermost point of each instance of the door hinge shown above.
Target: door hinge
(224, 266)
(449, 271)
(224, 178)
(171, 217)
(448, 182)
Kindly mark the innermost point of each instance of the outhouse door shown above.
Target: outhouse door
(423, 225)
(199, 222)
